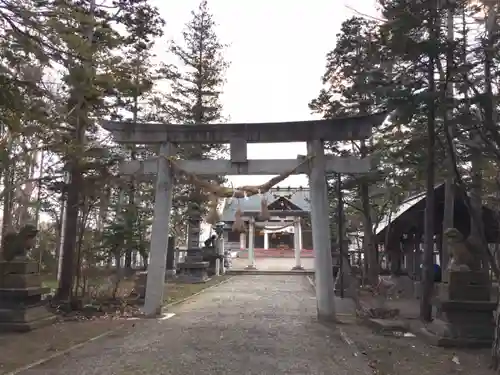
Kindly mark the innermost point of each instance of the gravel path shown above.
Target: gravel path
(249, 325)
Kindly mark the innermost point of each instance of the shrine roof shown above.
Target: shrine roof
(297, 196)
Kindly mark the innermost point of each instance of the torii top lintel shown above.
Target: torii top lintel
(336, 129)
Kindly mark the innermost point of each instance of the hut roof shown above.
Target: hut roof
(410, 217)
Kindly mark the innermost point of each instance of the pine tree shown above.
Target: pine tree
(86, 31)
(196, 87)
(135, 97)
(357, 82)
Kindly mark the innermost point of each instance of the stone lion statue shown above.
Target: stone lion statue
(16, 245)
(463, 258)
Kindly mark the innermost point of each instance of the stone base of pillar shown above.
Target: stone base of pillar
(170, 273)
(295, 268)
(250, 267)
(330, 319)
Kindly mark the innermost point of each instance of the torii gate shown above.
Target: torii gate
(313, 132)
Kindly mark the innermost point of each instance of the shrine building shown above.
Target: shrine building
(290, 216)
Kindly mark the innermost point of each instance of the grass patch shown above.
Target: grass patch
(174, 291)
(49, 283)
(177, 291)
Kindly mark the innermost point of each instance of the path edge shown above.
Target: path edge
(60, 353)
(102, 335)
(310, 280)
(343, 335)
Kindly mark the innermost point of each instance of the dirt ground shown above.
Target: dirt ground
(409, 354)
(20, 349)
(390, 355)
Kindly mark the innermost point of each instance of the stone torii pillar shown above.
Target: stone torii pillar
(299, 225)
(297, 245)
(251, 244)
(325, 295)
(243, 241)
(159, 235)
(266, 240)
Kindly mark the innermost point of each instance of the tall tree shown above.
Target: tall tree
(87, 33)
(356, 82)
(430, 212)
(134, 98)
(196, 83)
(413, 33)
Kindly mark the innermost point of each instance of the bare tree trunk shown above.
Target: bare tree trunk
(62, 227)
(449, 186)
(7, 185)
(490, 124)
(26, 193)
(428, 274)
(76, 181)
(369, 245)
(476, 157)
(37, 209)
(131, 203)
(133, 155)
(39, 191)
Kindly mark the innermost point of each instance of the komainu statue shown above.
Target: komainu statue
(16, 245)
(464, 258)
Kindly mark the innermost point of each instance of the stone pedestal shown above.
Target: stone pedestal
(194, 269)
(210, 255)
(464, 311)
(21, 305)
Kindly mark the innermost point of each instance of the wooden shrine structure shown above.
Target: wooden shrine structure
(276, 235)
(315, 132)
(402, 235)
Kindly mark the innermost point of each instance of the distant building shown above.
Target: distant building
(285, 205)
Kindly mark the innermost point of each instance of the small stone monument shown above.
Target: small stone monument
(211, 255)
(21, 305)
(193, 269)
(464, 307)
(140, 285)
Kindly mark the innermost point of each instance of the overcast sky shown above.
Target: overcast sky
(277, 53)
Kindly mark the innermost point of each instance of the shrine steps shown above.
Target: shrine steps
(276, 253)
(268, 272)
